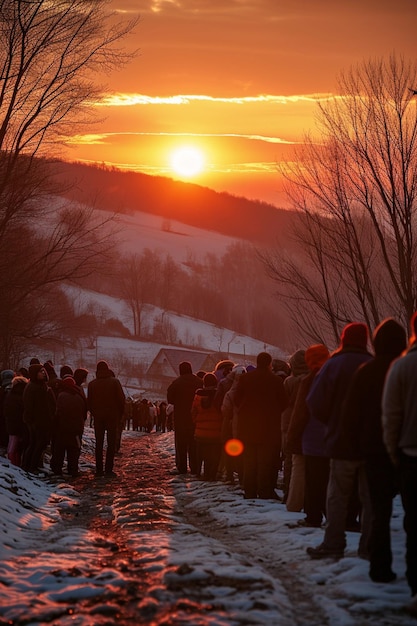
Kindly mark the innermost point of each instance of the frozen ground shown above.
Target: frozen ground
(150, 547)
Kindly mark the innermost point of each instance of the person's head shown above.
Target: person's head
(80, 375)
(6, 378)
(389, 339)
(102, 368)
(37, 373)
(263, 360)
(209, 380)
(223, 368)
(50, 369)
(67, 383)
(280, 367)
(65, 370)
(34, 361)
(315, 356)
(354, 335)
(185, 368)
(200, 374)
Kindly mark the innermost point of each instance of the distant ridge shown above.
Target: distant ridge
(126, 192)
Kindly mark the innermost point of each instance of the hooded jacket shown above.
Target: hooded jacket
(361, 427)
(328, 390)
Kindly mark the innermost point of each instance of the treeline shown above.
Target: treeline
(231, 291)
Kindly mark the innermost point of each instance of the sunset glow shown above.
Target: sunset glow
(250, 94)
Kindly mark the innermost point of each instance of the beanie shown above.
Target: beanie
(67, 383)
(65, 370)
(6, 377)
(315, 356)
(355, 335)
(210, 380)
(102, 366)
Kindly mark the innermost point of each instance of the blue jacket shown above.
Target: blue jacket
(328, 391)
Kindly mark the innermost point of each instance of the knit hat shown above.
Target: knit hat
(315, 356)
(68, 383)
(6, 378)
(102, 366)
(355, 335)
(185, 368)
(34, 369)
(209, 380)
(65, 370)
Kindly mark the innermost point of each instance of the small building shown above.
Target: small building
(165, 365)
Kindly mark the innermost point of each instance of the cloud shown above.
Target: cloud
(102, 138)
(132, 99)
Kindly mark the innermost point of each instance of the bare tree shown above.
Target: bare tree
(355, 191)
(50, 53)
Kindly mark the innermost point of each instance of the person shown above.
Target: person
(208, 424)
(38, 411)
(365, 393)
(298, 369)
(260, 398)
(325, 402)
(399, 427)
(229, 426)
(70, 416)
(15, 426)
(106, 403)
(280, 368)
(317, 462)
(6, 378)
(162, 416)
(315, 356)
(180, 394)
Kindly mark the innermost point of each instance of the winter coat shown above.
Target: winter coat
(38, 406)
(13, 411)
(260, 398)
(70, 412)
(105, 397)
(181, 393)
(399, 405)
(361, 426)
(291, 383)
(328, 392)
(206, 417)
(299, 416)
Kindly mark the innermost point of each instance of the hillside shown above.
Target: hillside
(201, 207)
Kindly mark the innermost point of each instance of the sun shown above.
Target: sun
(187, 161)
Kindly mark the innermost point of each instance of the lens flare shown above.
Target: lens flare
(233, 447)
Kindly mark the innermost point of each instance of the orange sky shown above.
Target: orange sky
(237, 78)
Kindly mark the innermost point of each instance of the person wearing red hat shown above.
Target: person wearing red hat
(325, 402)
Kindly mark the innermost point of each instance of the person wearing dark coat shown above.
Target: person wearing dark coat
(180, 394)
(260, 399)
(106, 403)
(365, 407)
(6, 377)
(300, 493)
(326, 402)
(38, 412)
(70, 416)
(15, 426)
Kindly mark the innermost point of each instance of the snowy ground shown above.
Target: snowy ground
(204, 554)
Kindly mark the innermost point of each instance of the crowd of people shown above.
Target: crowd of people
(340, 428)
(337, 431)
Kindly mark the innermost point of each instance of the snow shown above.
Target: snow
(250, 562)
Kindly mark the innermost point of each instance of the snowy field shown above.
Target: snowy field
(240, 561)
